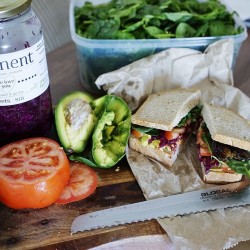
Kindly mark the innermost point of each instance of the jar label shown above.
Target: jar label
(23, 74)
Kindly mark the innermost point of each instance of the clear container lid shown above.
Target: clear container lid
(9, 8)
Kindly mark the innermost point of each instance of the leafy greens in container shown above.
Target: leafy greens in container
(110, 35)
(157, 19)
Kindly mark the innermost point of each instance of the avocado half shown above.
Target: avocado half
(75, 121)
(112, 131)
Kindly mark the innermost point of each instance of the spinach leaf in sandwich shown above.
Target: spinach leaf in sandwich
(145, 130)
(237, 159)
(240, 167)
(206, 137)
(192, 115)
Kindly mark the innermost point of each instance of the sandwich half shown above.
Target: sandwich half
(223, 142)
(163, 122)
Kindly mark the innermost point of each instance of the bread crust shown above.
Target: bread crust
(154, 153)
(219, 177)
(164, 110)
(225, 126)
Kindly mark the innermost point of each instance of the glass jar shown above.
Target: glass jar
(25, 100)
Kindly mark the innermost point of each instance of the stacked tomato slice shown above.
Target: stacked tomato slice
(35, 172)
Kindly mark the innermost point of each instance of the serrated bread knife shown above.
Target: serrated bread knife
(219, 197)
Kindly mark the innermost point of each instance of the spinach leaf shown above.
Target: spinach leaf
(133, 26)
(178, 16)
(140, 19)
(192, 115)
(103, 29)
(202, 30)
(219, 28)
(157, 33)
(146, 130)
(89, 162)
(240, 167)
(184, 30)
(129, 12)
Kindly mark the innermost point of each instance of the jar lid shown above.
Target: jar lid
(9, 8)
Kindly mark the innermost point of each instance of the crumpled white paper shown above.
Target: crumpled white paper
(170, 68)
(211, 73)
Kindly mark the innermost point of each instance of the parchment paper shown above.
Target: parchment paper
(211, 72)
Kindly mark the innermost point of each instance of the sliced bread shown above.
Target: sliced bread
(164, 110)
(219, 177)
(154, 153)
(226, 126)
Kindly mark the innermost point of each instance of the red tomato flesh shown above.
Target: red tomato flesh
(33, 173)
(205, 151)
(199, 136)
(136, 133)
(82, 183)
(170, 135)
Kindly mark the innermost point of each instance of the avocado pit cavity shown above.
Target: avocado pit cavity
(76, 113)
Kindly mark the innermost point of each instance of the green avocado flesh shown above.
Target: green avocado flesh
(112, 131)
(75, 121)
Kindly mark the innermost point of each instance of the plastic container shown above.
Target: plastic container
(25, 100)
(96, 57)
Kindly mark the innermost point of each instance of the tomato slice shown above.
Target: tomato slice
(170, 135)
(82, 183)
(33, 173)
(199, 136)
(205, 151)
(136, 133)
(226, 169)
(173, 134)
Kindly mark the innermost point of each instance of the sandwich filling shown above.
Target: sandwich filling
(167, 141)
(219, 157)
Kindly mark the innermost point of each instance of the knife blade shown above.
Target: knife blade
(219, 197)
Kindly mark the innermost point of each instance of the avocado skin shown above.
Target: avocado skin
(112, 131)
(73, 141)
(108, 129)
